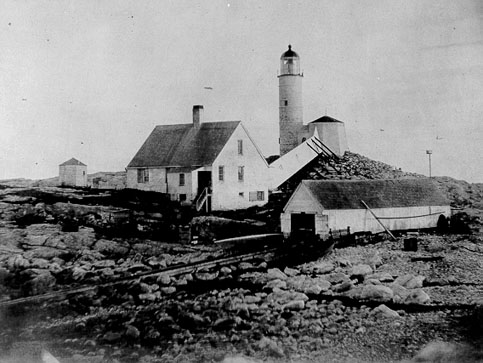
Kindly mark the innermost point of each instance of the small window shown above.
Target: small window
(240, 147)
(181, 180)
(83, 173)
(221, 173)
(182, 197)
(285, 103)
(241, 195)
(256, 196)
(252, 196)
(241, 173)
(143, 175)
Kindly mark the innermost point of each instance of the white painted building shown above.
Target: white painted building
(73, 173)
(215, 165)
(321, 206)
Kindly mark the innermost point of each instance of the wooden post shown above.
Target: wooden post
(377, 219)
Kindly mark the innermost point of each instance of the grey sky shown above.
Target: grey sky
(90, 79)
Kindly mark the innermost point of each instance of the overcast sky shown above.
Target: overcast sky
(91, 79)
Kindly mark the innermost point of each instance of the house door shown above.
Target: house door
(204, 180)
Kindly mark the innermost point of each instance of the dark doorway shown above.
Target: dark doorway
(204, 180)
(303, 222)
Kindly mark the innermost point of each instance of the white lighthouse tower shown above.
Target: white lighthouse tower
(290, 100)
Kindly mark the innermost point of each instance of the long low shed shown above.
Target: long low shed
(322, 206)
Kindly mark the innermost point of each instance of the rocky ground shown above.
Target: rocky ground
(358, 304)
(375, 302)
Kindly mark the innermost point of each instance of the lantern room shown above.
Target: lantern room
(289, 63)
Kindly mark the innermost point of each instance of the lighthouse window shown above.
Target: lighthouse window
(286, 102)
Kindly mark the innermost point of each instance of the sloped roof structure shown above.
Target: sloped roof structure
(325, 119)
(184, 145)
(72, 161)
(347, 194)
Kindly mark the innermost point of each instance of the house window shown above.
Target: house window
(286, 102)
(221, 173)
(256, 196)
(181, 179)
(143, 175)
(240, 147)
(241, 173)
(182, 197)
(241, 194)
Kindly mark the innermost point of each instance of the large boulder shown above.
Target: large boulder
(308, 285)
(275, 273)
(384, 311)
(72, 241)
(400, 293)
(282, 297)
(11, 240)
(323, 267)
(17, 262)
(46, 253)
(271, 347)
(206, 275)
(377, 293)
(277, 283)
(294, 305)
(361, 271)
(111, 248)
(37, 234)
(40, 283)
(410, 281)
(337, 278)
(418, 297)
(381, 276)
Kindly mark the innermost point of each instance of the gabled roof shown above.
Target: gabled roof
(72, 161)
(392, 193)
(184, 145)
(325, 119)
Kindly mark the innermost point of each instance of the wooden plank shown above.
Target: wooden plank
(377, 219)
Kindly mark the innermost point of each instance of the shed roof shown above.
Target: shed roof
(72, 161)
(325, 119)
(391, 193)
(184, 145)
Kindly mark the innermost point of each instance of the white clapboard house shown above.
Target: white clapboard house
(215, 165)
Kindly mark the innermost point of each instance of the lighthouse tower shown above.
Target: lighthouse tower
(290, 100)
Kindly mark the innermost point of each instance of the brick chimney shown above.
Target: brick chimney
(197, 115)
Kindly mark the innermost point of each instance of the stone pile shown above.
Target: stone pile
(354, 166)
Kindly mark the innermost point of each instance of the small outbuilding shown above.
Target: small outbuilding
(323, 206)
(73, 173)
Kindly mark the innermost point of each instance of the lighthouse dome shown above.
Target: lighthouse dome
(289, 63)
(289, 53)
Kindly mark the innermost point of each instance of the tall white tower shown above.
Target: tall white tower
(290, 100)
